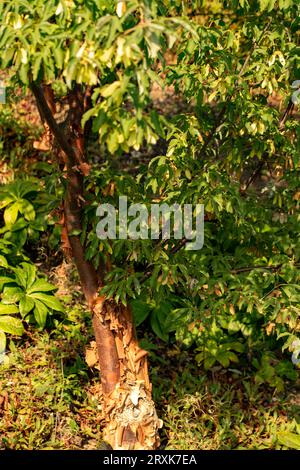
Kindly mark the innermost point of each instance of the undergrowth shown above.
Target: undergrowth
(51, 399)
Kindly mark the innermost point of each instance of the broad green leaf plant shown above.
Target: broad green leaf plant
(25, 296)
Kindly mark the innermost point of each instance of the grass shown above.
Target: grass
(50, 399)
(224, 410)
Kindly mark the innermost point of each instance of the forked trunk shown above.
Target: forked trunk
(130, 415)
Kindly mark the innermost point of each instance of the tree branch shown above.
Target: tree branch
(251, 268)
(247, 269)
(286, 114)
(58, 134)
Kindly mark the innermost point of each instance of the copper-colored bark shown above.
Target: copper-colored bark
(131, 420)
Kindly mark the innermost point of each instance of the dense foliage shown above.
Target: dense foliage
(231, 65)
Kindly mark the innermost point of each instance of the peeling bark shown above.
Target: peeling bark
(131, 419)
(130, 416)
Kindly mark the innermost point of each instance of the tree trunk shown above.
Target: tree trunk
(130, 415)
(131, 419)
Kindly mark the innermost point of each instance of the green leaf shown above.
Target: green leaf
(8, 309)
(26, 305)
(263, 4)
(36, 66)
(209, 362)
(289, 439)
(23, 73)
(11, 295)
(223, 359)
(232, 356)
(5, 200)
(11, 214)
(11, 325)
(19, 225)
(7, 57)
(284, 4)
(239, 347)
(27, 209)
(2, 342)
(58, 54)
(156, 123)
(234, 326)
(140, 311)
(153, 43)
(48, 300)
(108, 90)
(25, 275)
(3, 262)
(157, 328)
(5, 280)
(40, 313)
(292, 292)
(74, 233)
(158, 318)
(99, 120)
(40, 285)
(112, 142)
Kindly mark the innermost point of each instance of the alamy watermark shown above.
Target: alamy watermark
(296, 94)
(136, 221)
(2, 92)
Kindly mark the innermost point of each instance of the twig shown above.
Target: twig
(254, 174)
(176, 248)
(286, 114)
(251, 268)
